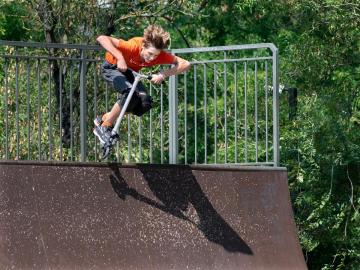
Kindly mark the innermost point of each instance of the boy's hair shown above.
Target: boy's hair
(157, 37)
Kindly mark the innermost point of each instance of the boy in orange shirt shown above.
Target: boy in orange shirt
(136, 53)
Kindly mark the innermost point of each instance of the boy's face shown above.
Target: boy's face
(149, 54)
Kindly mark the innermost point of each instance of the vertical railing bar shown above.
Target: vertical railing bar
(162, 124)
(107, 97)
(107, 109)
(266, 113)
(173, 120)
(129, 137)
(235, 105)
(275, 75)
(28, 105)
(39, 111)
(6, 111)
(49, 104)
(151, 131)
(245, 114)
(225, 108)
(185, 116)
(118, 141)
(71, 113)
(60, 109)
(17, 106)
(140, 139)
(95, 109)
(256, 114)
(195, 114)
(205, 114)
(61, 106)
(83, 110)
(215, 114)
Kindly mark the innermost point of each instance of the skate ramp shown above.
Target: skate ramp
(91, 216)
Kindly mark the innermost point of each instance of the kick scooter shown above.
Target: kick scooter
(114, 132)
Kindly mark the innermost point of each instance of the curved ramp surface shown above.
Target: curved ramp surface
(91, 216)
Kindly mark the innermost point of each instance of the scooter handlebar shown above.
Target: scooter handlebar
(149, 76)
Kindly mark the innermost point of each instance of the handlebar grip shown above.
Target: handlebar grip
(149, 77)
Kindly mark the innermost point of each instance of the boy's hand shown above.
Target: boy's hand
(158, 78)
(121, 65)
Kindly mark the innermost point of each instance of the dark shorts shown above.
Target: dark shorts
(122, 83)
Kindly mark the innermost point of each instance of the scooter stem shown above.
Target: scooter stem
(123, 109)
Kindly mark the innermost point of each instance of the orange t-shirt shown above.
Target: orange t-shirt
(131, 49)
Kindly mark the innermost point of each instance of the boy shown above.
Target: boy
(136, 53)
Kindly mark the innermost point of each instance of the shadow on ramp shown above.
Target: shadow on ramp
(175, 194)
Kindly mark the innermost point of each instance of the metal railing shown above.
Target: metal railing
(224, 110)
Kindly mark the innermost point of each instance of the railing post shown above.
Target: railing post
(173, 121)
(83, 115)
(275, 75)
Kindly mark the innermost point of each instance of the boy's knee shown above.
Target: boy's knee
(145, 104)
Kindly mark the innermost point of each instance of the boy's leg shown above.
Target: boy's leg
(121, 84)
(113, 115)
(100, 119)
(109, 118)
(104, 125)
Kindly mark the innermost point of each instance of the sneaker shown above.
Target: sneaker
(103, 134)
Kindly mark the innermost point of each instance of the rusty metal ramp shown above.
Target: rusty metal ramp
(91, 216)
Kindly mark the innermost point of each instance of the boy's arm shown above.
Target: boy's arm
(180, 65)
(110, 44)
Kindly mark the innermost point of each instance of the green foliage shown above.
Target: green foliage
(320, 55)
(13, 21)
